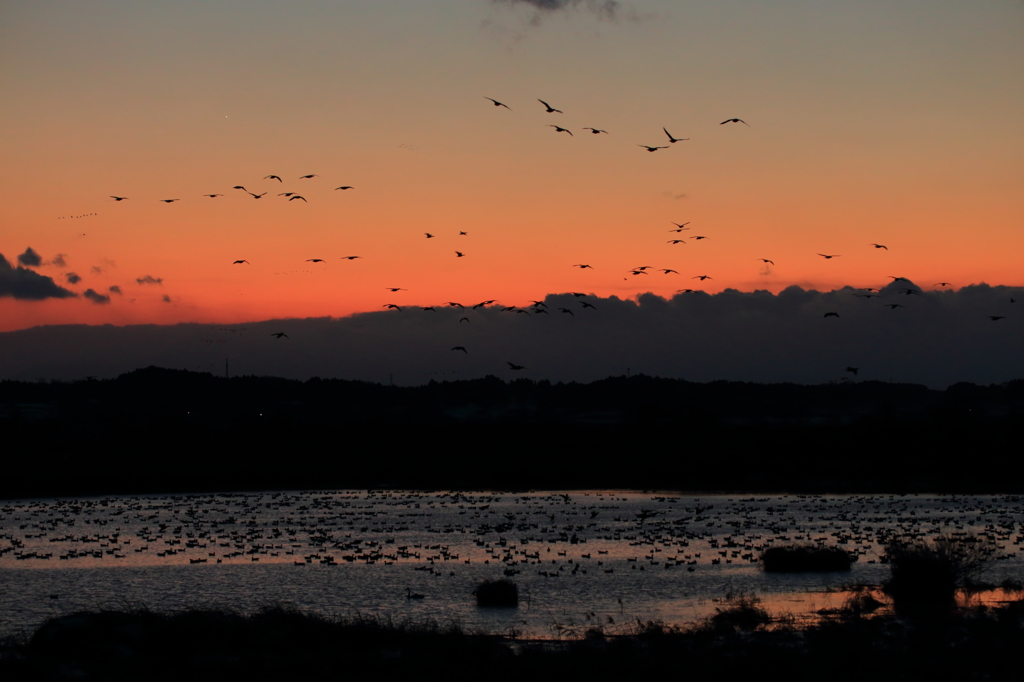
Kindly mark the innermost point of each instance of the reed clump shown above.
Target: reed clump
(805, 559)
(500, 593)
(926, 572)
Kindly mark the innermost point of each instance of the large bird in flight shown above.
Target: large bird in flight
(550, 109)
(499, 104)
(559, 129)
(827, 257)
(273, 177)
(673, 140)
(734, 120)
(651, 149)
(117, 198)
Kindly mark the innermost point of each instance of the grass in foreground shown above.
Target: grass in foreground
(740, 640)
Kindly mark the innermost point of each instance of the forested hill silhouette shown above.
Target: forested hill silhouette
(164, 430)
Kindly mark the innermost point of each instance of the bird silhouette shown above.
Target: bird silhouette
(345, 187)
(667, 271)
(734, 120)
(550, 109)
(280, 335)
(514, 366)
(831, 314)
(941, 284)
(702, 277)
(698, 237)
(583, 266)
(237, 262)
(587, 305)
(307, 177)
(463, 233)
(350, 257)
(827, 257)
(293, 198)
(673, 140)
(499, 104)
(880, 246)
(560, 129)
(453, 304)
(315, 260)
(463, 319)
(596, 131)
(651, 149)
(240, 187)
(459, 254)
(853, 370)
(676, 241)
(169, 201)
(391, 306)
(566, 310)
(273, 177)
(462, 348)
(429, 236)
(393, 289)
(893, 306)
(765, 260)
(117, 198)
(257, 196)
(996, 318)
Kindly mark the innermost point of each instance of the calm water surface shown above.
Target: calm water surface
(580, 558)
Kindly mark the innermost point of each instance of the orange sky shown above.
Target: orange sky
(868, 124)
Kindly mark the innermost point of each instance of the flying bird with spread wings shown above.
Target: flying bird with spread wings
(498, 104)
(673, 140)
(550, 109)
(734, 120)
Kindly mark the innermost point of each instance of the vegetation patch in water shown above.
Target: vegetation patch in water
(805, 559)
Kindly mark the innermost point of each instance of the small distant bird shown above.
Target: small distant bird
(641, 267)
(539, 303)
(941, 284)
(668, 271)
(117, 198)
(453, 304)
(462, 348)
(894, 278)
(588, 305)
(280, 335)
(514, 366)
(307, 177)
(893, 306)
(685, 291)
(698, 237)
(831, 314)
(651, 149)
(257, 196)
(213, 195)
(293, 198)
(538, 311)
(393, 289)
(765, 260)
(910, 292)
(169, 201)
(499, 104)
(676, 241)
(550, 109)
(853, 370)
(996, 318)
(566, 310)
(866, 295)
(481, 304)
(639, 272)
(273, 177)
(429, 307)
(827, 257)
(560, 130)
(673, 140)
(576, 294)
(391, 306)
(315, 260)
(240, 187)
(463, 319)
(596, 131)
(286, 194)
(734, 120)
(237, 262)
(429, 236)
(350, 257)
(702, 277)
(459, 254)
(345, 187)
(880, 246)
(463, 234)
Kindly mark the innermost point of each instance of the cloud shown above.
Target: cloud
(59, 261)
(28, 285)
(166, 299)
(114, 290)
(73, 278)
(30, 258)
(937, 338)
(95, 297)
(149, 279)
(96, 270)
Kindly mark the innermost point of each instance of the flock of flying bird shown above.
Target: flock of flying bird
(539, 307)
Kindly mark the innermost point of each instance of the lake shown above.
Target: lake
(581, 558)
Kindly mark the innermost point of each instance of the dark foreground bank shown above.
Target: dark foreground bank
(737, 643)
(159, 430)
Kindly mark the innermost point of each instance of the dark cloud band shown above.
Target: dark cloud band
(27, 285)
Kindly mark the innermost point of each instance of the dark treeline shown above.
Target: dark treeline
(161, 430)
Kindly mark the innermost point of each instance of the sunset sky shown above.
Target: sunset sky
(869, 122)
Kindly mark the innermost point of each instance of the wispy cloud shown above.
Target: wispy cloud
(72, 277)
(149, 279)
(96, 297)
